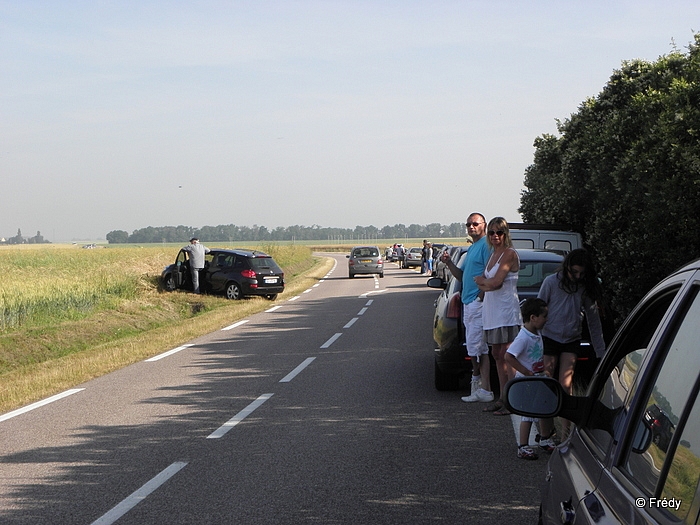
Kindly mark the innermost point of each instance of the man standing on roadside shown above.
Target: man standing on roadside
(477, 349)
(196, 253)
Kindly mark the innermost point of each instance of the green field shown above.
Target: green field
(69, 314)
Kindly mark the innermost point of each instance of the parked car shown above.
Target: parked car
(414, 257)
(552, 237)
(618, 466)
(438, 248)
(365, 260)
(233, 273)
(451, 360)
(441, 269)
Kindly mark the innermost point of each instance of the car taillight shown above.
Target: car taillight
(454, 306)
(249, 274)
(379, 261)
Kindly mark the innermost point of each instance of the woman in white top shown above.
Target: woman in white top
(501, 312)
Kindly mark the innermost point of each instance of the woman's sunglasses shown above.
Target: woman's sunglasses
(500, 233)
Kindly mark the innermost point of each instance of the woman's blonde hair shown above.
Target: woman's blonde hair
(499, 224)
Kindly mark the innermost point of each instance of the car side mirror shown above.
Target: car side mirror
(540, 397)
(544, 397)
(436, 282)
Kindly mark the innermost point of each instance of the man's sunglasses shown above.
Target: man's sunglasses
(474, 224)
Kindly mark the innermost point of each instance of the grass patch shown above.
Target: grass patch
(73, 315)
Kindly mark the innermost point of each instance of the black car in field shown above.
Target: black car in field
(233, 273)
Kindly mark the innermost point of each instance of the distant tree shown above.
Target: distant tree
(117, 237)
(37, 239)
(17, 239)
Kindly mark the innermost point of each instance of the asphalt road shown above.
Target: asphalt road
(320, 410)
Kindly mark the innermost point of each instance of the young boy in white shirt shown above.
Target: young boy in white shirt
(526, 356)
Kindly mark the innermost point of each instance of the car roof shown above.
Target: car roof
(245, 253)
(692, 265)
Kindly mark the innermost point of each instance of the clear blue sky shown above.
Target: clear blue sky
(122, 115)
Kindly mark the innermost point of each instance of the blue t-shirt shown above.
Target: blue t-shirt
(474, 264)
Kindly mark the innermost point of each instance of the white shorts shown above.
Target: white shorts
(474, 329)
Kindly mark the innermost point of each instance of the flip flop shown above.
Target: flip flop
(501, 412)
(493, 407)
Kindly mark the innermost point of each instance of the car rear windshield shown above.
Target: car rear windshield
(366, 252)
(532, 273)
(265, 263)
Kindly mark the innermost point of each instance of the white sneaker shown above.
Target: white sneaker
(475, 386)
(480, 395)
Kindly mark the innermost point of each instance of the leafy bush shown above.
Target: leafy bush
(625, 172)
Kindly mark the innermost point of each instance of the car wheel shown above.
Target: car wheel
(233, 292)
(271, 296)
(381, 275)
(445, 381)
(350, 276)
(169, 283)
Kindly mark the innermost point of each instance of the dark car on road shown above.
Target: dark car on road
(233, 273)
(451, 360)
(633, 454)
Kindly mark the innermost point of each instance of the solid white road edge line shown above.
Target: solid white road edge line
(235, 325)
(291, 375)
(166, 354)
(135, 498)
(38, 404)
(331, 340)
(223, 429)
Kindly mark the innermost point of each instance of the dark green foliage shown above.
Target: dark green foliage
(625, 172)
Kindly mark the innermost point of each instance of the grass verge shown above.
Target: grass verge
(42, 360)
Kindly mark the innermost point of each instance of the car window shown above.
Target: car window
(673, 392)
(265, 263)
(523, 243)
(532, 273)
(365, 252)
(557, 246)
(625, 358)
(225, 260)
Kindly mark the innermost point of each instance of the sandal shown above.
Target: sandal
(503, 411)
(493, 407)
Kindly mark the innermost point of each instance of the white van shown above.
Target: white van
(545, 237)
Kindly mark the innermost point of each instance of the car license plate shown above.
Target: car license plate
(270, 280)
(365, 261)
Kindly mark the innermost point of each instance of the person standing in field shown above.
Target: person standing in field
(196, 252)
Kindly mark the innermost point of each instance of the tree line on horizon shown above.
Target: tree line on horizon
(20, 239)
(255, 233)
(625, 172)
